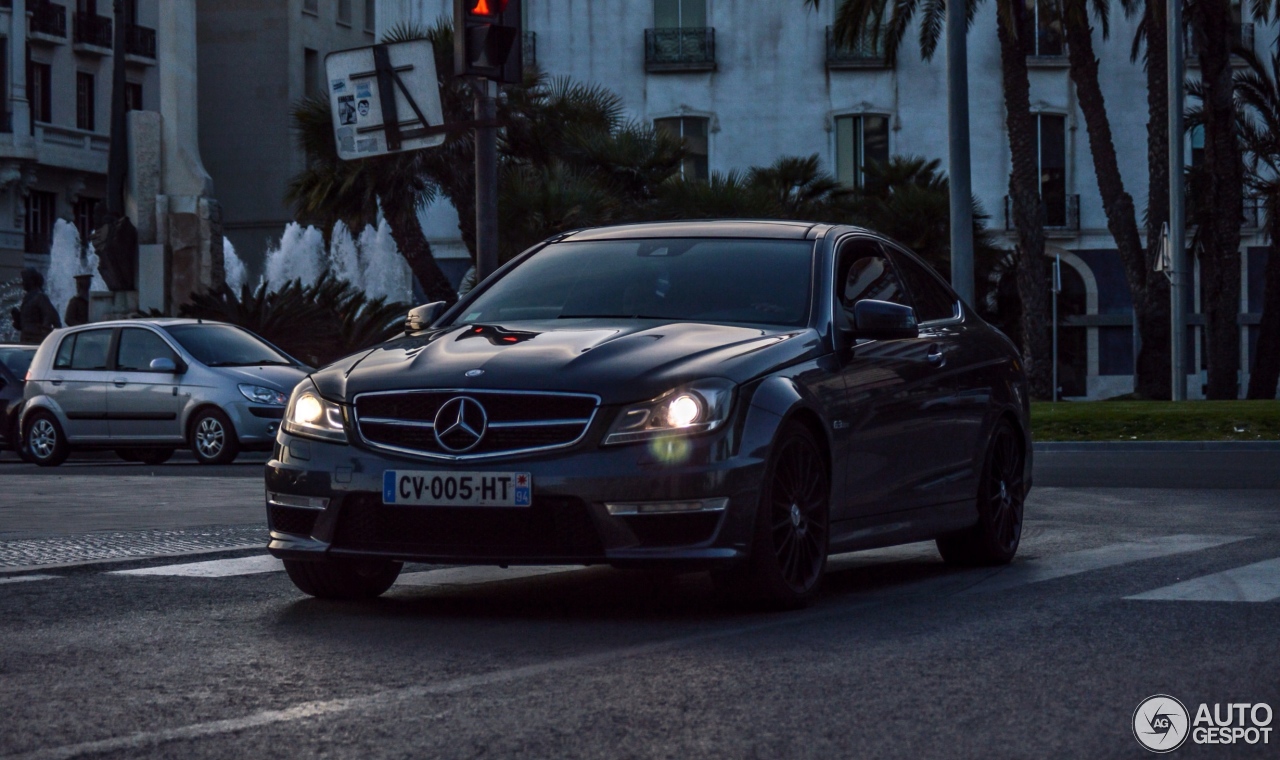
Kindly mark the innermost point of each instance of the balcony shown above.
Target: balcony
(866, 53)
(140, 41)
(1243, 38)
(48, 22)
(680, 50)
(1060, 216)
(529, 49)
(92, 33)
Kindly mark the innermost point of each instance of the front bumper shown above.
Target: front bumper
(256, 424)
(568, 522)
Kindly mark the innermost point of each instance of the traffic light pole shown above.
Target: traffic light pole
(486, 179)
(1177, 223)
(958, 151)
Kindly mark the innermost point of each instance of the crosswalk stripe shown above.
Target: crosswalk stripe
(1074, 563)
(1259, 582)
(25, 578)
(471, 576)
(218, 568)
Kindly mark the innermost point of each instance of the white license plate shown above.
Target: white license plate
(447, 488)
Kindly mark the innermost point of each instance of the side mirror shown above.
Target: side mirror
(881, 320)
(164, 365)
(421, 317)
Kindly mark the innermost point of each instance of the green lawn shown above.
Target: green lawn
(1156, 421)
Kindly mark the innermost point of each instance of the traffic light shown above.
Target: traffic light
(487, 40)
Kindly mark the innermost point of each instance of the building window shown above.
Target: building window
(693, 131)
(1052, 136)
(39, 91)
(39, 226)
(860, 142)
(84, 101)
(133, 96)
(311, 6)
(82, 213)
(679, 14)
(370, 15)
(1047, 15)
(344, 12)
(87, 6)
(311, 72)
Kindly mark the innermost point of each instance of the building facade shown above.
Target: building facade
(256, 59)
(746, 83)
(56, 61)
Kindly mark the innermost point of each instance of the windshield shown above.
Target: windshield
(687, 279)
(18, 360)
(225, 346)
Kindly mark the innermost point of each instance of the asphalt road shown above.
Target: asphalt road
(216, 655)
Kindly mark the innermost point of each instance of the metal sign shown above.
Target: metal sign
(385, 99)
(1164, 262)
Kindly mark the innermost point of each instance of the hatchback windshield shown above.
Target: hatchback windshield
(225, 346)
(18, 360)
(693, 279)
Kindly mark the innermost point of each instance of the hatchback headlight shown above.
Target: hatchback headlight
(311, 416)
(261, 394)
(695, 408)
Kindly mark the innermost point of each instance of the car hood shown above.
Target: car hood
(620, 360)
(281, 378)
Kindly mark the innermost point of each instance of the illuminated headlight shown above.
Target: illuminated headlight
(695, 408)
(260, 394)
(311, 416)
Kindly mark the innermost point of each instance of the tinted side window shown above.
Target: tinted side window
(91, 350)
(863, 271)
(932, 300)
(138, 347)
(63, 359)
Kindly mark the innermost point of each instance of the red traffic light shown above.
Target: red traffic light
(486, 7)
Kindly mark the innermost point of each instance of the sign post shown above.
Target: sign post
(1057, 288)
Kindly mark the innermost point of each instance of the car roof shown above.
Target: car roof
(27, 346)
(153, 321)
(709, 228)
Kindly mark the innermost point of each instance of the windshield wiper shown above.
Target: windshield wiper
(612, 316)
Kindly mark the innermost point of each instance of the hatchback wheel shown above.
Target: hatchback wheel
(333, 579)
(789, 552)
(213, 439)
(44, 441)
(1002, 492)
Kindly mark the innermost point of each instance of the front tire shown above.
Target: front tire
(332, 579)
(213, 438)
(789, 549)
(44, 440)
(1001, 495)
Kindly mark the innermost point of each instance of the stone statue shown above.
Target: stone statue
(36, 317)
(116, 242)
(77, 312)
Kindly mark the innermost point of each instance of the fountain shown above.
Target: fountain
(372, 263)
(236, 276)
(67, 259)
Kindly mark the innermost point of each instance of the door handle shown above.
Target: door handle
(120, 382)
(56, 381)
(935, 356)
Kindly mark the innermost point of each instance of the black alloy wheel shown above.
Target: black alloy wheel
(789, 554)
(343, 579)
(1002, 495)
(44, 440)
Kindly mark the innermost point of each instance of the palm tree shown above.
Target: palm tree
(889, 20)
(1258, 95)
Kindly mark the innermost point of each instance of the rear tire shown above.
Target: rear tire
(130, 455)
(213, 438)
(44, 440)
(1001, 495)
(789, 551)
(335, 579)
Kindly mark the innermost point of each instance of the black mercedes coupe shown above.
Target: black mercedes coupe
(741, 397)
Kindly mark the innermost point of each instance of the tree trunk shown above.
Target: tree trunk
(1028, 211)
(1266, 363)
(413, 245)
(1122, 220)
(1220, 251)
(1151, 304)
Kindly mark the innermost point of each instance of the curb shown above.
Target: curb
(1133, 446)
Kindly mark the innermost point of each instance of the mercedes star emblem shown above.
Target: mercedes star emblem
(460, 424)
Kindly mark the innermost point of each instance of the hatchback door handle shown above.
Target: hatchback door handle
(56, 381)
(935, 356)
(120, 382)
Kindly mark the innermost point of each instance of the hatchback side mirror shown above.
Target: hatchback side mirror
(164, 365)
(421, 317)
(882, 320)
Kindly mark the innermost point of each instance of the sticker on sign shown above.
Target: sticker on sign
(389, 94)
(446, 488)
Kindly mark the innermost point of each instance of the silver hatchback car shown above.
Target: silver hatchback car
(146, 387)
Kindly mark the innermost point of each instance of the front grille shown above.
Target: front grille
(516, 421)
(292, 519)
(551, 527)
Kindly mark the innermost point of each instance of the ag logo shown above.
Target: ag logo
(1160, 723)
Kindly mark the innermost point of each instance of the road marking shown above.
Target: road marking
(1259, 582)
(218, 568)
(471, 576)
(1074, 563)
(25, 578)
